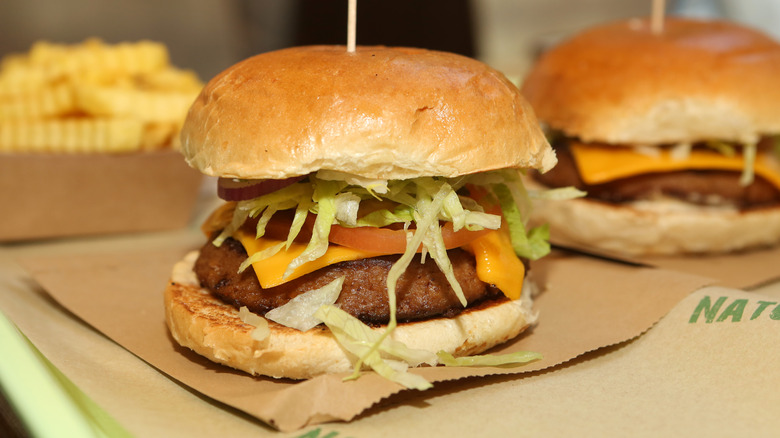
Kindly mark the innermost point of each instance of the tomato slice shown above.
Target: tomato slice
(371, 239)
(393, 241)
(279, 226)
(387, 241)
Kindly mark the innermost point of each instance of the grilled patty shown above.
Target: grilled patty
(422, 291)
(706, 187)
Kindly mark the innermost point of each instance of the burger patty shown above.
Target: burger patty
(422, 290)
(706, 187)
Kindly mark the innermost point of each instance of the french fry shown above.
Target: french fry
(17, 79)
(149, 106)
(49, 101)
(93, 97)
(96, 60)
(156, 135)
(77, 135)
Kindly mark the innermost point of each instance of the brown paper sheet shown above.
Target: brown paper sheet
(586, 304)
(744, 270)
(740, 270)
(713, 377)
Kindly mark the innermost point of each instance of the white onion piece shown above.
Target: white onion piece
(260, 324)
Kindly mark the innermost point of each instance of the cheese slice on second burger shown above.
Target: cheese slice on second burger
(601, 164)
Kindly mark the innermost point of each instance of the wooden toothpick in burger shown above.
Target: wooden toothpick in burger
(657, 17)
(351, 26)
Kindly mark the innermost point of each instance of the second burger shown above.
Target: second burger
(673, 135)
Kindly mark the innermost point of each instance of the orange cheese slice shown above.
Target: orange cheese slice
(270, 272)
(496, 261)
(600, 164)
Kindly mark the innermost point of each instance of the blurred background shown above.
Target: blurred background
(208, 36)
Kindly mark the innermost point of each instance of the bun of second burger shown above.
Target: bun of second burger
(670, 134)
(376, 191)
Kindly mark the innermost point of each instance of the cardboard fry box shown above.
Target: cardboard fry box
(48, 196)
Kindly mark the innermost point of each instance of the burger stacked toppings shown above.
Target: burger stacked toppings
(375, 213)
(673, 135)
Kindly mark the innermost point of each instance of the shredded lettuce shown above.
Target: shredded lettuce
(749, 159)
(347, 205)
(749, 152)
(301, 212)
(261, 255)
(365, 343)
(384, 217)
(240, 215)
(281, 199)
(427, 213)
(264, 219)
(298, 313)
(261, 330)
(538, 239)
(531, 245)
(557, 194)
(285, 198)
(721, 147)
(373, 186)
(680, 151)
(453, 210)
(489, 360)
(433, 241)
(476, 221)
(439, 194)
(325, 198)
(357, 330)
(401, 192)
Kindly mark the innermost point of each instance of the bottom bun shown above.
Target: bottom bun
(212, 328)
(658, 227)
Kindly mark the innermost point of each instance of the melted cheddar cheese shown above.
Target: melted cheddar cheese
(270, 272)
(600, 164)
(496, 261)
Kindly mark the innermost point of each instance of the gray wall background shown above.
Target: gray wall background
(208, 36)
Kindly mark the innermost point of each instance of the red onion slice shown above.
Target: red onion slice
(231, 189)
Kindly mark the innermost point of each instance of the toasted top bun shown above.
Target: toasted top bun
(382, 113)
(697, 80)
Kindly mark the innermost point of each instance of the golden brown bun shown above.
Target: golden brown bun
(213, 329)
(380, 113)
(658, 227)
(620, 83)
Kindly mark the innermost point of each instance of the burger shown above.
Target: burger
(374, 213)
(672, 134)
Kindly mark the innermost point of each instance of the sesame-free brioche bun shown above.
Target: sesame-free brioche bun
(656, 227)
(379, 112)
(621, 83)
(213, 329)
